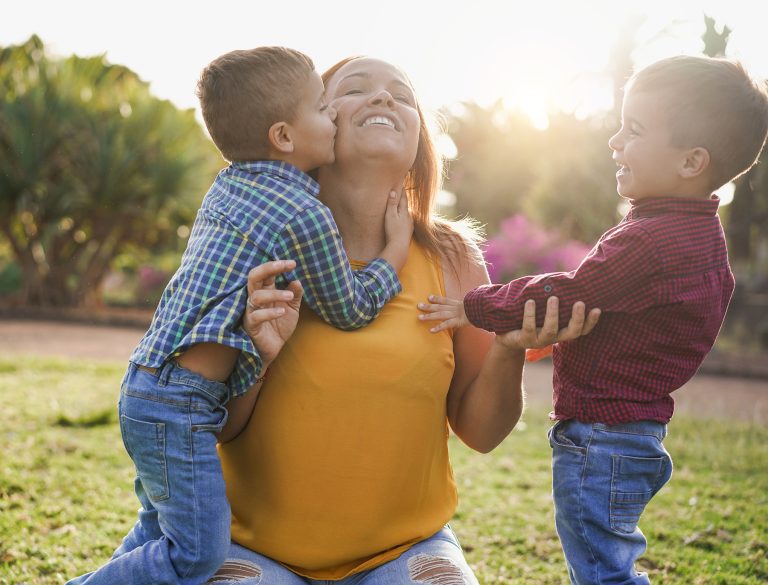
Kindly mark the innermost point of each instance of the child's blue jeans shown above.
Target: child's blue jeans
(603, 476)
(168, 420)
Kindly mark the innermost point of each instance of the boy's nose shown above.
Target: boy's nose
(613, 141)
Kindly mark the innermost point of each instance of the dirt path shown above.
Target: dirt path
(705, 396)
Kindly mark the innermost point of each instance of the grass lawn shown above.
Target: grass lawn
(66, 490)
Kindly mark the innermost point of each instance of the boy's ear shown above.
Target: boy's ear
(280, 140)
(696, 161)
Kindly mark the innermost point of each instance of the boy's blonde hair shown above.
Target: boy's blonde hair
(244, 92)
(711, 103)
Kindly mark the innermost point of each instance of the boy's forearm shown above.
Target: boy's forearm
(608, 278)
(356, 299)
(342, 297)
(396, 253)
(499, 308)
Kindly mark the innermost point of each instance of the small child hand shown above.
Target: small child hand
(398, 223)
(449, 311)
(398, 229)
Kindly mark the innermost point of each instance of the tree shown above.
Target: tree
(563, 176)
(747, 224)
(714, 42)
(575, 186)
(90, 162)
(494, 166)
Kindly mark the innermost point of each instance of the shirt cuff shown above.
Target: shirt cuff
(386, 275)
(473, 306)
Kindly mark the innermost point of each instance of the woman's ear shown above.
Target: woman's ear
(696, 161)
(280, 138)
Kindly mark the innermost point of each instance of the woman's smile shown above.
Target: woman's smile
(380, 121)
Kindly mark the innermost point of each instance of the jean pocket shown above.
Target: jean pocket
(210, 422)
(558, 437)
(634, 481)
(145, 443)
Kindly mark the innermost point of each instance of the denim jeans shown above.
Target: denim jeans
(603, 476)
(168, 421)
(438, 559)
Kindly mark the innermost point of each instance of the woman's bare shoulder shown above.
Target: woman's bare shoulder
(464, 267)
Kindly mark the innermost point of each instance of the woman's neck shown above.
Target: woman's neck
(357, 198)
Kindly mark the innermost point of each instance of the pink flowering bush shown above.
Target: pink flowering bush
(150, 283)
(521, 248)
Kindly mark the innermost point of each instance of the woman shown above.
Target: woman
(342, 473)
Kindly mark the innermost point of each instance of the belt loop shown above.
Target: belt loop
(164, 372)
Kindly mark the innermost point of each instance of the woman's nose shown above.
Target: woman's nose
(382, 97)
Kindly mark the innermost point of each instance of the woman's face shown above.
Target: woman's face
(376, 112)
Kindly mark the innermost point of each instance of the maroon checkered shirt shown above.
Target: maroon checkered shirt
(662, 280)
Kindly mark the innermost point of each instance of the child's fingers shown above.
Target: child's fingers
(391, 214)
(402, 203)
(438, 300)
(437, 307)
(449, 324)
(438, 315)
(393, 202)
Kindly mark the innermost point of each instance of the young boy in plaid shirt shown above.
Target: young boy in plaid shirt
(265, 110)
(662, 280)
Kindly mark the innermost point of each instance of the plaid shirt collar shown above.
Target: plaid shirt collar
(281, 169)
(656, 206)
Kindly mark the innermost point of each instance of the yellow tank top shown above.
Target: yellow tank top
(344, 463)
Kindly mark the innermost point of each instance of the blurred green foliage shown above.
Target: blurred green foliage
(562, 176)
(90, 162)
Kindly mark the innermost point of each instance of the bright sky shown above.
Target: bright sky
(536, 55)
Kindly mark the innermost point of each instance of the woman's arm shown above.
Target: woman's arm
(485, 399)
(270, 318)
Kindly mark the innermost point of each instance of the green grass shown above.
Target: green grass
(66, 494)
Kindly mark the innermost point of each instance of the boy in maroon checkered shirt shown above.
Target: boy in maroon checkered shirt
(662, 280)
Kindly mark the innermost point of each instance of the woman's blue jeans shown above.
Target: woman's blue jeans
(169, 420)
(603, 476)
(436, 560)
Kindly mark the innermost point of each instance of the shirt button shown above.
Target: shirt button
(547, 288)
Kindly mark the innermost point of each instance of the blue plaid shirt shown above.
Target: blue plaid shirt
(255, 212)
